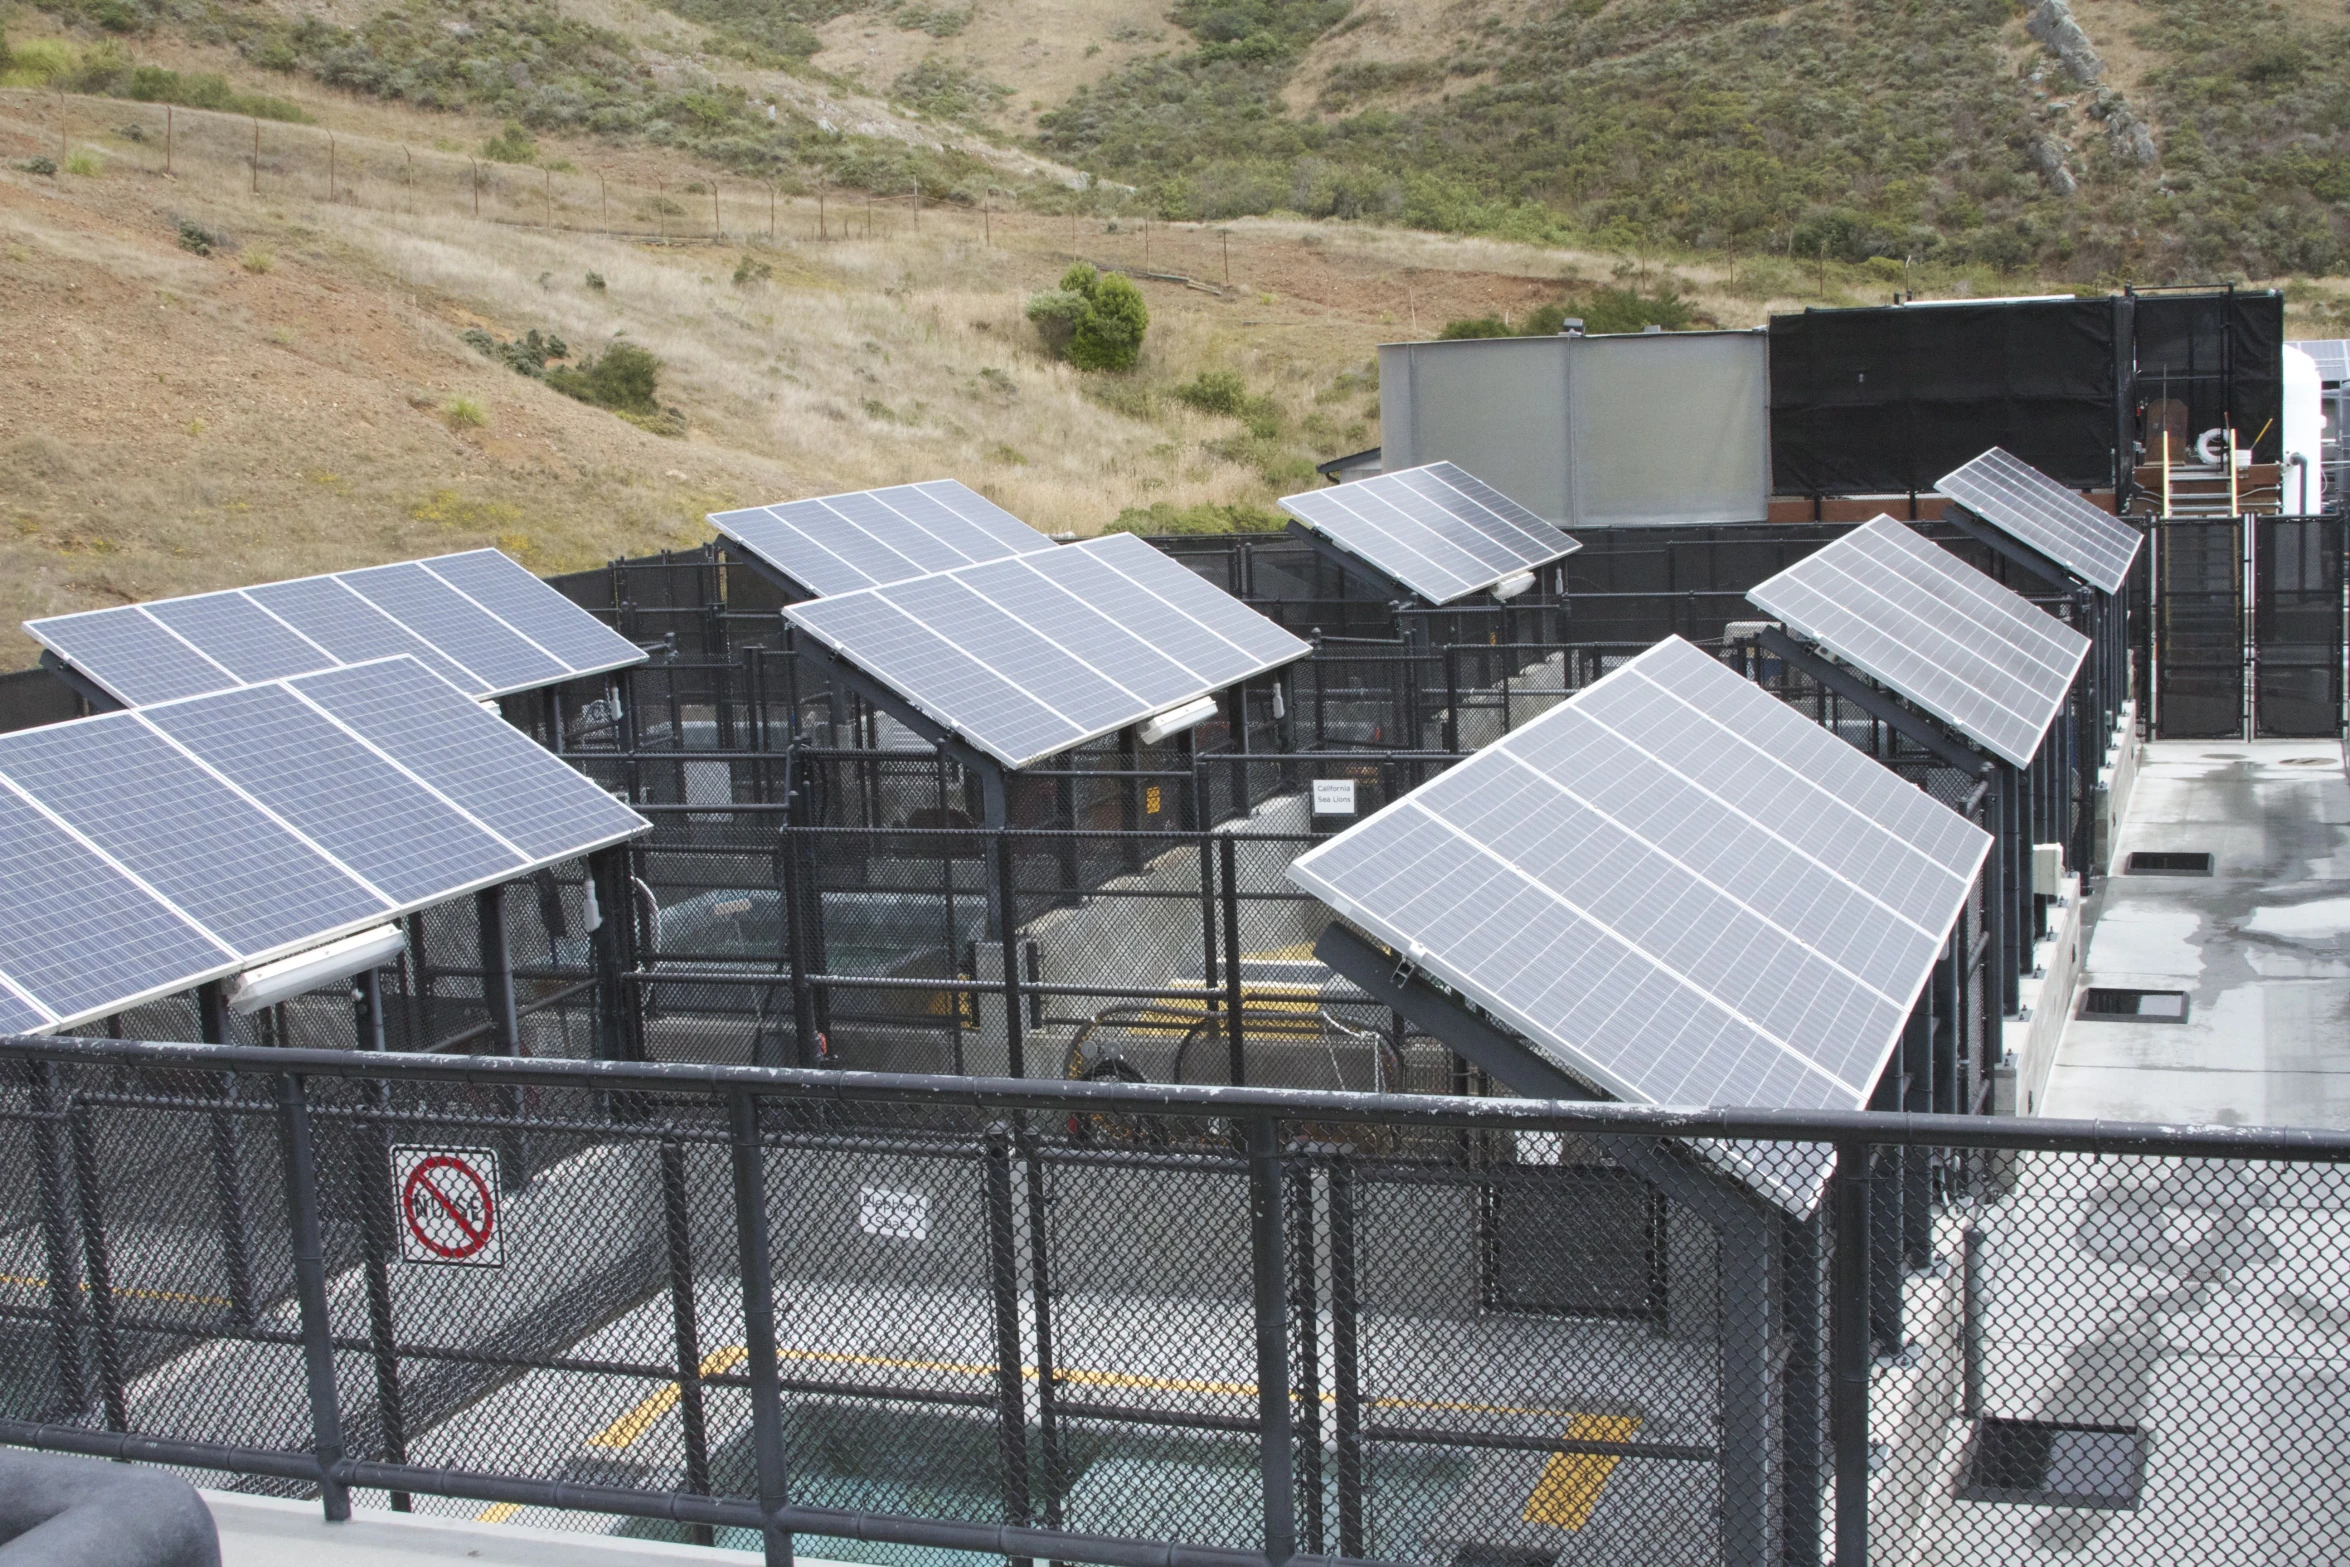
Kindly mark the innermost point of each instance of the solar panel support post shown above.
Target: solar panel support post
(1228, 869)
(309, 1258)
(1895, 715)
(1743, 1232)
(94, 697)
(1799, 1442)
(228, 1181)
(1849, 1351)
(2009, 548)
(612, 953)
(497, 999)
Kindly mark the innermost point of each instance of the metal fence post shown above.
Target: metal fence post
(1048, 1418)
(228, 1184)
(1003, 1271)
(1849, 1352)
(1306, 1314)
(750, 1226)
(1008, 939)
(1233, 993)
(693, 1421)
(1345, 1357)
(98, 1269)
(497, 999)
(65, 1296)
(309, 1252)
(1267, 1213)
(382, 1231)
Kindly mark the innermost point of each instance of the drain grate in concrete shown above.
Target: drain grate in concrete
(2140, 1006)
(2167, 862)
(2047, 1463)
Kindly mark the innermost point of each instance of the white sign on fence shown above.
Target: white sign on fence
(448, 1203)
(1334, 797)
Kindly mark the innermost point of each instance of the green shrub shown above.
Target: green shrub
(623, 378)
(465, 413)
(83, 163)
(1607, 310)
(595, 280)
(524, 355)
(748, 271)
(1094, 319)
(207, 90)
(194, 236)
(511, 145)
(1214, 392)
(38, 165)
(1206, 517)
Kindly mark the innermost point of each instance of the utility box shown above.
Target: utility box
(1643, 429)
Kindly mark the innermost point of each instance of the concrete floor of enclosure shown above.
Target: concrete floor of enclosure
(2261, 946)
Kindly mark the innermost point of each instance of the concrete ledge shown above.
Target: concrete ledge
(267, 1531)
(2116, 778)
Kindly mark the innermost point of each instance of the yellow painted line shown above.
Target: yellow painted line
(127, 1294)
(625, 1430)
(1571, 1482)
(498, 1512)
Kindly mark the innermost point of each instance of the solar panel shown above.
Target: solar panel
(147, 851)
(1911, 614)
(1436, 529)
(2035, 510)
(2332, 355)
(1675, 886)
(477, 620)
(839, 543)
(1028, 656)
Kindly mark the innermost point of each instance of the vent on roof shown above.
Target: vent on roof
(2143, 1006)
(2167, 862)
(2050, 1464)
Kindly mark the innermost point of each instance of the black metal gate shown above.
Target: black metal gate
(2247, 622)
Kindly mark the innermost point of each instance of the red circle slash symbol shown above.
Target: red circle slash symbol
(451, 1216)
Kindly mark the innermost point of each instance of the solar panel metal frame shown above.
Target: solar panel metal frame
(1073, 614)
(1402, 525)
(68, 813)
(1908, 613)
(133, 676)
(2033, 509)
(1661, 849)
(791, 537)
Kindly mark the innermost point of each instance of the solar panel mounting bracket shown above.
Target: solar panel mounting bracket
(1348, 562)
(92, 694)
(791, 587)
(989, 770)
(1894, 715)
(1520, 1068)
(1999, 542)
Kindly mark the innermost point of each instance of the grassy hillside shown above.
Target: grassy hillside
(2217, 140)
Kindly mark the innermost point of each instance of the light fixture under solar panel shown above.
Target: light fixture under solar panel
(839, 543)
(2036, 511)
(1676, 887)
(1907, 612)
(1437, 530)
(148, 851)
(478, 620)
(1029, 656)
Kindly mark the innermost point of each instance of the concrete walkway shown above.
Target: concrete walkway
(2261, 946)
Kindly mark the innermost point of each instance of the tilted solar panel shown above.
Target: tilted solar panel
(2035, 510)
(1900, 608)
(839, 543)
(2332, 355)
(477, 620)
(1028, 656)
(147, 851)
(1438, 530)
(1678, 888)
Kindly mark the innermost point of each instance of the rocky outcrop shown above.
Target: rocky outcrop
(2132, 141)
(2048, 155)
(2060, 32)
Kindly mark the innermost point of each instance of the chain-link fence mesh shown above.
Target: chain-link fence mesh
(1409, 1330)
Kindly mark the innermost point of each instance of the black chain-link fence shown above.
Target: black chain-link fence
(915, 1321)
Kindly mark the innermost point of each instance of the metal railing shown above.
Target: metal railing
(1171, 1327)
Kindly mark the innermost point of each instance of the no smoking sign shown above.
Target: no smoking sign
(448, 1203)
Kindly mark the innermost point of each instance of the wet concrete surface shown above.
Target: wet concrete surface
(2261, 946)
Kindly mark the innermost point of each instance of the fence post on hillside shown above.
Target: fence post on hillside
(1270, 1288)
(256, 157)
(309, 1256)
(167, 174)
(476, 168)
(751, 1239)
(548, 189)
